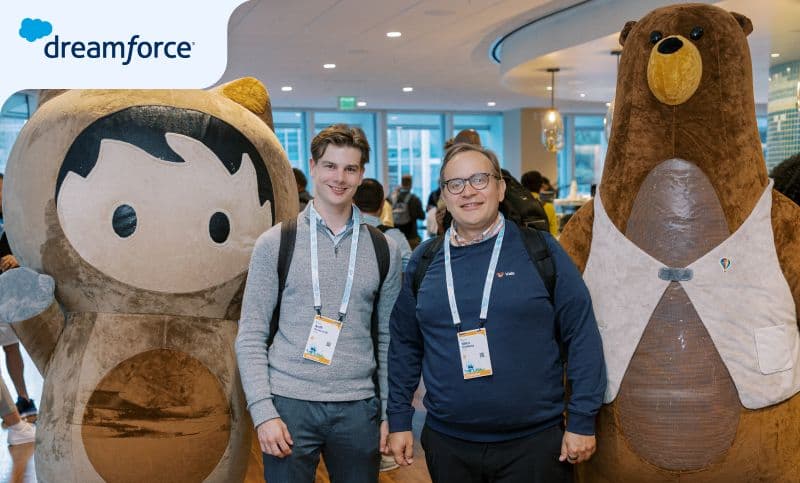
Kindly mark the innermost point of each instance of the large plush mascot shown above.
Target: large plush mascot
(135, 213)
(692, 262)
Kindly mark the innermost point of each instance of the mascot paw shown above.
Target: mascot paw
(24, 294)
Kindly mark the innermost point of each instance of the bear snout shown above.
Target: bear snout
(670, 45)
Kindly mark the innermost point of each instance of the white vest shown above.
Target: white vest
(737, 289)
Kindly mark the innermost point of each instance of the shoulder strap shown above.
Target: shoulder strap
(381, 247)
(384, 228)
(285, 252)
(537, 249)
(425, 261)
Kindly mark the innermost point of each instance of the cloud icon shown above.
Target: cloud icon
(34, 29)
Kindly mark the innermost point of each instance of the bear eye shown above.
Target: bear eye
(124, 221)
(696, 33)
(219, 227)
(655, 36)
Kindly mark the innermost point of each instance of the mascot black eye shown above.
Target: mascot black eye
(124, 221)
(655, 36)
(696, 33)
(219, 227)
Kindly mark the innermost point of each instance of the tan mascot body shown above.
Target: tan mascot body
(141, 209)
(691, 260)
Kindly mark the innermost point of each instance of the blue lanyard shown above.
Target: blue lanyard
(487, 285)
(351, 267)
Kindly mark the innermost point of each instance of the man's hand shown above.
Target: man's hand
(274, 437)
(577, 448)
(8, 262)
(401, 445)
(384, 444)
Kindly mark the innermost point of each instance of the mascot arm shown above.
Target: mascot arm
(28, 303)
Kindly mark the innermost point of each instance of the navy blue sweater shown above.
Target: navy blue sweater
(525, 394)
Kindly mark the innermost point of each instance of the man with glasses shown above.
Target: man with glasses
(489, 338)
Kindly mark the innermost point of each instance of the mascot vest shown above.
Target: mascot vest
(737, 289)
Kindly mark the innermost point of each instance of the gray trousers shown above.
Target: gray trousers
(345, 433)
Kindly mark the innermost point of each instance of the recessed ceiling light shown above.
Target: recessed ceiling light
(361, 104)
(329, 66)
(408, 89)
(774, 55)
(549, 88)
(491, 103)
(394, 35)
(582, 94)
(286, 88)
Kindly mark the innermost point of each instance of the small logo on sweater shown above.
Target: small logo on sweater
(505, 274)
(725, 263)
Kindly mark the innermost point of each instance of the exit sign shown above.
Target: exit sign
(347, 103)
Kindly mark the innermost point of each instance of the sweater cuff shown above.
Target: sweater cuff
(399, 422)
(262, 411)
(580, 424)
(383, 409)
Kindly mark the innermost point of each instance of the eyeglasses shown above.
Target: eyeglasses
(478, 181)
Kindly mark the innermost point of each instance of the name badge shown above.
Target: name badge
(475, 360)
(322, 340)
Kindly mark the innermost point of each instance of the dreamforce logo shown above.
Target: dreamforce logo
(34, 29)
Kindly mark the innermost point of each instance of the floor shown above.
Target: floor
(17, 463)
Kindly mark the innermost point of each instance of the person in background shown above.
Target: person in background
(787, 178)
(303, 195)
(386, 214)
(369, 199)
(490, 340)
(533, 181)
(406, 210)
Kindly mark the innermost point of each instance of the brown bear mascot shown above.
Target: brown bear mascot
(134, 213)
(692, 262)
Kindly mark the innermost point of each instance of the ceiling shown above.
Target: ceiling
(444, 51)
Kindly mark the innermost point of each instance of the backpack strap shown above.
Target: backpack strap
(424, 262)
(381, 247)
(537, 249)
(384, 228)
(285, 252)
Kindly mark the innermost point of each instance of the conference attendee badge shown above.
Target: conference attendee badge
(322, 340)
(474, 347)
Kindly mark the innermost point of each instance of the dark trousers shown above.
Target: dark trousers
(532, 459)
(345, 433)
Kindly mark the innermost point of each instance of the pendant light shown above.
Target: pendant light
(552, 124)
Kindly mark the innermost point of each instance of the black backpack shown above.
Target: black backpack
(400, 210)
(521, 207)
(285, 252)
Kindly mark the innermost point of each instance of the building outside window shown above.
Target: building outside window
(290, 133)
(415, 143)
(583, 155)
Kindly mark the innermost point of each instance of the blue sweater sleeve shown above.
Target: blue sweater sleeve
(405, 351)
(586, 369)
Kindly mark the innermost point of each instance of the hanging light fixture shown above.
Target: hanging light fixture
(609, 119)
(552, 124)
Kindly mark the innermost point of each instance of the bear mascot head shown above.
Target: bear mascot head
(690, 258)
(135, 213)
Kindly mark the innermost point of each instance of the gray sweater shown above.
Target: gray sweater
(282, 370)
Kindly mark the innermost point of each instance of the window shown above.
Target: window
(583, 155)
(415, 144)
(488, 126)
(289, 130)
(13, 115)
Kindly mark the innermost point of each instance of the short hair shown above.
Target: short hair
(449, 143)
(787, 178)
(300, 178)
(369, 196)
(463, 148)
(406, 180)
(468, 136)
(340, 135)
(532, 181)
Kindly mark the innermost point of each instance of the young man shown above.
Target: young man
(485, 332)
(312, 390)
(369, 199)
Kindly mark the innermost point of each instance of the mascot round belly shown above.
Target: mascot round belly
(691, 260)
(134, 213)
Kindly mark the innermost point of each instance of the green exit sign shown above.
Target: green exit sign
(347, 103)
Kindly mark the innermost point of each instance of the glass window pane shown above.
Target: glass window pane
(590, 152)
(488, 126)
(363, 120)
(289, 131)
(13, 115)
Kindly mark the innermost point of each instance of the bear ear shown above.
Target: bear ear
(48, 94)
(625, 31)
(744, 22)
(251, 94)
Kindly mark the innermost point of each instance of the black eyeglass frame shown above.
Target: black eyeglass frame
(472, 180)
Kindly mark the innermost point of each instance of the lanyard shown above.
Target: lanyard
(487, 285)
(351, 267)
